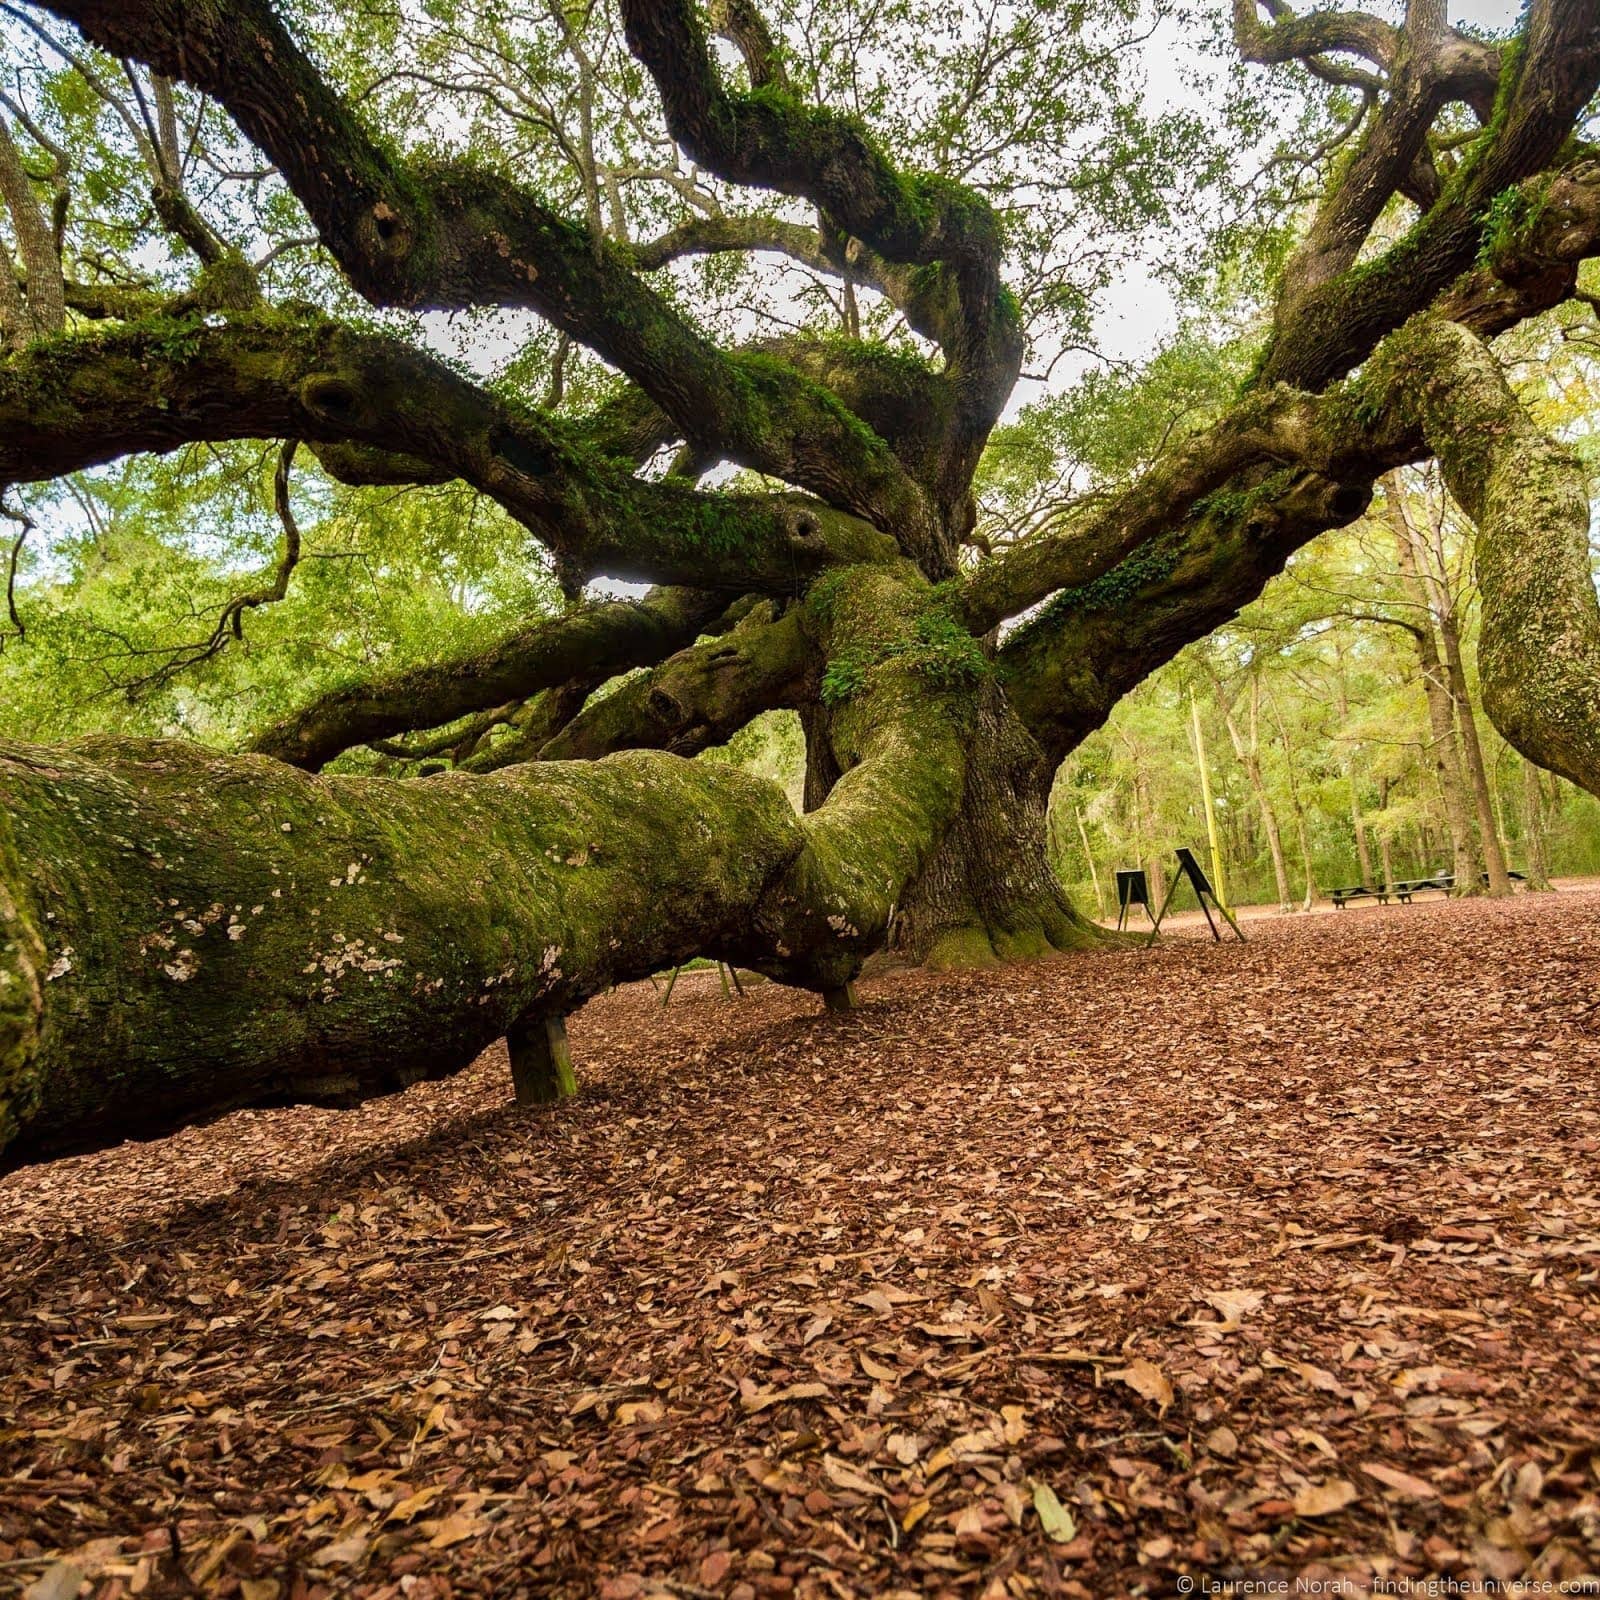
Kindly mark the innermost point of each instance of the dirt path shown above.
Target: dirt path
(1256, 1261)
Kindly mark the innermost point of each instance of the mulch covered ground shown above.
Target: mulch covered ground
(1092, 1277)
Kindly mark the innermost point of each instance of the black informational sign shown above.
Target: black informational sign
(1133, 889)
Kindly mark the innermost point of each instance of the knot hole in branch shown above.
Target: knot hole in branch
(333, 399)
(666, 709)
(806, 528)
(389, 234)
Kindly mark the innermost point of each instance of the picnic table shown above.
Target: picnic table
(1440, 882)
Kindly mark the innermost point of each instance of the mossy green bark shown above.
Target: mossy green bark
(1539, 637)
(23, 970)
(185, 931)
(900, 746)
(223, 930)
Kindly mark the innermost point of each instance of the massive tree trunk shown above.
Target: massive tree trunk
(990, 893)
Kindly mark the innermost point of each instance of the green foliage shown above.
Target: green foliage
(845, 676)
(1512, 215)
(129, 569)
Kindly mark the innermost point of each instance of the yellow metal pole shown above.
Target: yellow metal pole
(1211, 815)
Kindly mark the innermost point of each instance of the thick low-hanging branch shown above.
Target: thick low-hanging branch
(601, 636)
(278, 935)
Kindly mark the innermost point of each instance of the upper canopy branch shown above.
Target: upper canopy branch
(1294, 38)
(1333, 311)
(826, 255)
(1531, 269)
(158, 384)
(409, 233)
(773, 140)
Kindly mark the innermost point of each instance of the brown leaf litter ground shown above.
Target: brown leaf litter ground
(1092, 1277)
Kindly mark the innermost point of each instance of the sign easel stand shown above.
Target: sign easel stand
(1191, 869)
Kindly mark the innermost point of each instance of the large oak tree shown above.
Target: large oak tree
(182, 930)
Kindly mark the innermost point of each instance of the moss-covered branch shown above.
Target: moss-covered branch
(1066, 669)
(1098, 541)
(1288, 37)
(1353, 434)
(770, 138)
(602, 637)
(181, 932)
(699, 697)
(229, 930)
(1330, 320)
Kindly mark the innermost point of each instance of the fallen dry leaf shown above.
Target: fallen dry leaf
(1405, 1483)
(453, 1529)
(1147, 1379)
(1322, 1499)
(1054, 1517)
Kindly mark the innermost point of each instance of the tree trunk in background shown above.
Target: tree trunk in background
(1301, 836)
(1088, 855)
(1249, 755)
(1353, 782)
(1430, 564)
(1536, 839)
(1385, 853)
(1466, 863)
(1154, 872)
(1494, 858)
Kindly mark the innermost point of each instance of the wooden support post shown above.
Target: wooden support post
(666, 999)
(1172, 889)
(840, 999)
(541, 1061)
